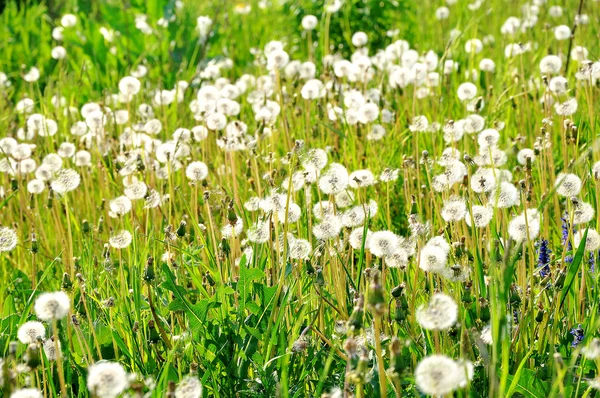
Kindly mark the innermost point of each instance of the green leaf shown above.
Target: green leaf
(526, 383)
(573, 269)
(8, 198)
(244, 285)
(330, 127)
(196, 313)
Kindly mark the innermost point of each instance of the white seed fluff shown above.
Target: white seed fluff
(52, 306)
(106, 379)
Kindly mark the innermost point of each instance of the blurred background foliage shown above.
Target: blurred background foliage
(26, 35)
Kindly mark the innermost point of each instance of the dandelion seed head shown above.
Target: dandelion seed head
(456, 273)
(562, 32)
(300, 249)
(442, 13)
(52, 306)
(488, 138)
(120, 240)
(196, 171)
(506, 195)
(419, 124)
(398, 259)
(440, 314)
(136, 190)
(8, 239)
(592, 241)
(483, 180)
(474, 123)
(129, 86)
(334, 180)
(361, 179)
(294, 212)
(26, 393)
(189, 387)
(30, 332)
(359, 39)
(50, 349)
(357, 236)
(383, 243)
(65, 180)
(309, 22)
(344, 199)
(568, 184)
(328, 229)
(523, 229)
(36, 186)
(119, 206)
(481, 216)
(583, 213)
(314, 160)
(152, 200)
(592, 350)
(550, 64)
(432, 258)
(454, 209)
(525, 154)
(566, 108)
(107, 379)
(21, 152)
(259, 232)
(487, 65)
(466, 91)
(354, 217)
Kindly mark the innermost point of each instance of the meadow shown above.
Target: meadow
(297, 198)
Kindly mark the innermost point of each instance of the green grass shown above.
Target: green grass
(245, 318)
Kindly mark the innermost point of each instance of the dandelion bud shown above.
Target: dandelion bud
(400, 314)
(171, 389)
(298, 145)
(109, 302)
(32, 356)
(12, 348)
(396, 362)
(224, 247)
(484, 308)
(350, 346)
(181, 229)
(466, 296)
(355, 323)
(67, 284)
(149, 274)
(398, 290)
(514, 297)
(232, 218)
(85, 226)
(153, 336)
(34, 244)
(413, 205)
(376, 296)
(300, 345)
(540, 316)
(319, 279)
(310, 270)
